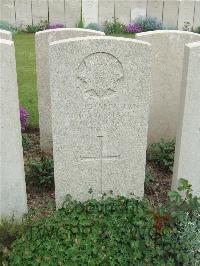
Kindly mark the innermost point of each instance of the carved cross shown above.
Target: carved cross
(100, 158)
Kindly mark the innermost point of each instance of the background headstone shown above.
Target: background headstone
(13, 200)
(72, 13)
(7, 12)
(155, 9)
(123, 11)
(187, 155)
(168, 54)
(170, 13)
(100, 98)
(197, 15)
(106, 11)
(42, 40)
(56, 11)
(23, 12)
(6, 35)
(186, 14)
(138, 8)
(90, 11)
(39, 11)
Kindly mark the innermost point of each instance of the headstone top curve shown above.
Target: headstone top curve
(5, 35)
(108, 38)
(69, 30)
(165, 32)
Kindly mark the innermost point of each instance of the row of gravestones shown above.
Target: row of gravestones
(171, 12)
(95, 97)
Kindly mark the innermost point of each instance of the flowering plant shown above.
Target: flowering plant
(55, 26)
(133, 28)
(23, 119)
(148, 23)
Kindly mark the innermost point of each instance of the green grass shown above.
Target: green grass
(25, 57)
(26, 75)
(125, 35)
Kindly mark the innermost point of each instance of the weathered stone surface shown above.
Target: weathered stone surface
(197, 15)
(138, 8)
(155, 9)
(72, 13)
(170, 13)
(12, 179)
(186, 14)
(57, 11)
(42, 40)
(23, 12)
(168, 54)
(100, 101)
(6, 35)
(90, 11)
(7, 12)
(187, 155)
(39, 11)
(123, 11)
(106, 11)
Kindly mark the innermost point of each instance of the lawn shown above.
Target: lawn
(26, 73)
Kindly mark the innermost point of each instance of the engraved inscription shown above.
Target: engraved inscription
(99, 73)
(101, 157)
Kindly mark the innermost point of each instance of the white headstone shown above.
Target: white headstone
(187, 155)
(168, 54)
(100, 98)
(6, 35)
(23, 12)
(72, 12)
(7, 13)
(197, 15)
(123, 11)
(57, 11)
(138, 8)
(90, 11)
(39, 11)
(170, 13)
(155, 9)
(186, 14)
(106, 11)
(42, 40)
(12, 180)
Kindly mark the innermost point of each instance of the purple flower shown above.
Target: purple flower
(55, 26)
(133, 28)
(23, 119)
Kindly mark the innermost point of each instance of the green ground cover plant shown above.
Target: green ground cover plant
(40, 173)
(26, 143)
(197, 30)
(9, 231)
(113, 231)
(162, 153)
(43, 25)
(114, 27)
(149, 178)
